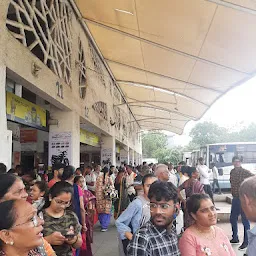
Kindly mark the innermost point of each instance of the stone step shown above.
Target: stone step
(220, 198)
(229, 199)
(223, 212)
(223, 215)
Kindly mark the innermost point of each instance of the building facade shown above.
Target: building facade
(58, 100)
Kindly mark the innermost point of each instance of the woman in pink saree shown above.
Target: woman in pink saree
(90, 207)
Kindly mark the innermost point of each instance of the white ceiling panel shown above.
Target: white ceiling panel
(231, 40)
(173, 59)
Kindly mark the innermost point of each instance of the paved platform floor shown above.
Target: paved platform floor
(105, 243)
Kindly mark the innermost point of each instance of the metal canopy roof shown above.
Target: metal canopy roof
(174, 58)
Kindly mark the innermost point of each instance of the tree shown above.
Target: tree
(163, 155)
(151, 142)
(191, 146)
(154, 145)
(207, 133)
(247, 133)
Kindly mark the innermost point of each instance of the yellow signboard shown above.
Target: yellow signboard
(118, 149)
(22, 111)
(89, 138)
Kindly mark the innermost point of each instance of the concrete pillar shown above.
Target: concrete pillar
(140, 158)
(5, 135)
(128, 155)
(66, 132)
(132, 156)
(108, 149)
(124, 156)
(136, 158)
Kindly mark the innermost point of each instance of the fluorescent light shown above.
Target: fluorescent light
(126, 12)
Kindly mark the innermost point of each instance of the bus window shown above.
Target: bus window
(247, 157)
(224, 157)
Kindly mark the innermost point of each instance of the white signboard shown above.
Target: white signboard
(106, 155)
(60, 148)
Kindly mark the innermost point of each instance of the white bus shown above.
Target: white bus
(222, 153)
(194, 157)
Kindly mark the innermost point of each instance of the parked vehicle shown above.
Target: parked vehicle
(222, 153)
(194, 157)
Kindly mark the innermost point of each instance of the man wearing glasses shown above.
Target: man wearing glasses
(237, 176)
(156, 237)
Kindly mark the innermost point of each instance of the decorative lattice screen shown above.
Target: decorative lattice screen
(44, 27)
(97, 65)
(101, 108)
(82, 70)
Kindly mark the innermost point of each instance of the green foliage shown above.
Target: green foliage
(151, 142)
(248, 133)
(191, 146)
(209, 133)
(173, 155)
(154, 145)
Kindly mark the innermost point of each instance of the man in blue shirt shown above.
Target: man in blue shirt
(247, 194)
(136, 214)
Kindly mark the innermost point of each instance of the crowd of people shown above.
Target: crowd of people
(158, 210)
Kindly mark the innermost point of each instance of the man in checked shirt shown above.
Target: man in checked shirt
(237, 176)
(157, 237)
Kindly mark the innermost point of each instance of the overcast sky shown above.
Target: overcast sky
(234, 109)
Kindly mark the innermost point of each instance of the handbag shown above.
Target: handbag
(110, 193)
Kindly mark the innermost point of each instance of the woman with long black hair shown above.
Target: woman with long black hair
(123, 200)
(78, 200)
(61, 226)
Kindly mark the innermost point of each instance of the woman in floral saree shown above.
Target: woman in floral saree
(103, 203)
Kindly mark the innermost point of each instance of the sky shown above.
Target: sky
(235, 109)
